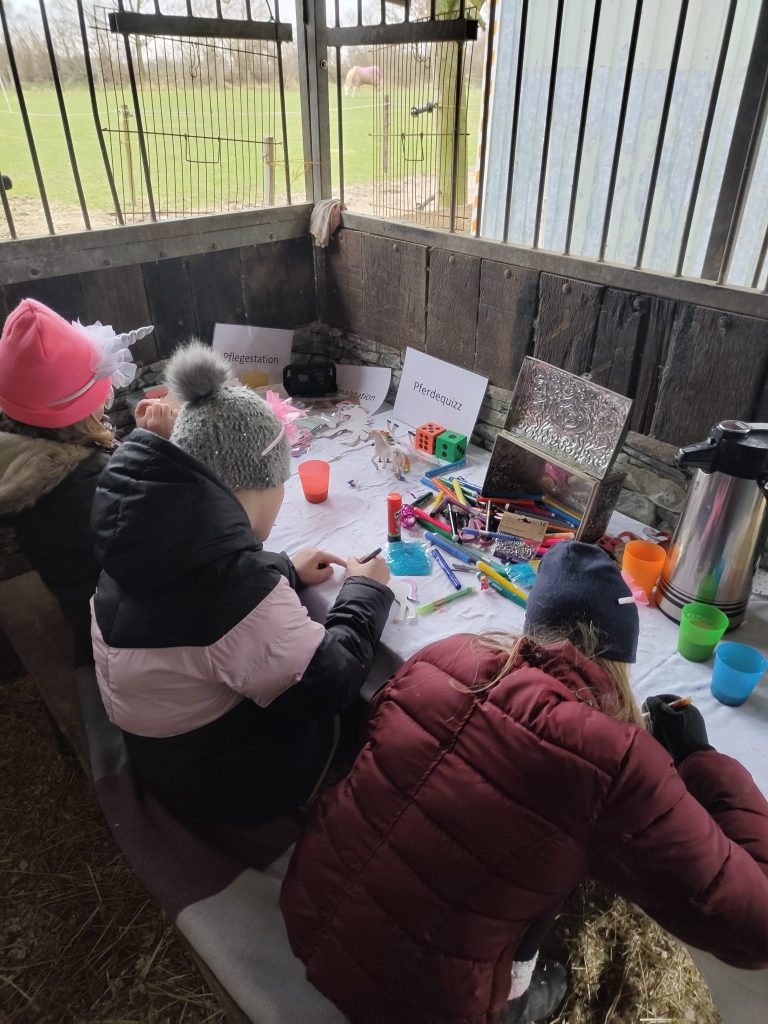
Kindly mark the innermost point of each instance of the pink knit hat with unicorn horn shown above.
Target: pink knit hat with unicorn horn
(54, 373)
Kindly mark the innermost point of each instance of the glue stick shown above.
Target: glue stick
(394, 505)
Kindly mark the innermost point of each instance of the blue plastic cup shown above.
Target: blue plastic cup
(738, 670)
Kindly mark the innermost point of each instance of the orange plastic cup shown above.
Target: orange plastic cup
(644, 561)
(314, 476)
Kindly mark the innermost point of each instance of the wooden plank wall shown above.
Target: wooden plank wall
(271, 284)
(686, 367)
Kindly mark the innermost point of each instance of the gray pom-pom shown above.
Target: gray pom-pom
(195, 372)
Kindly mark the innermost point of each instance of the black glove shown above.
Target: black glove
(680, 730)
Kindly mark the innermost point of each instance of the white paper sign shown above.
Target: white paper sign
(257, 354)
(432, 390)
(366, 385)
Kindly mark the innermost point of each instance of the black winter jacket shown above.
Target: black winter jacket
(224, 688)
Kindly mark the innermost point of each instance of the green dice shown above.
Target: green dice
(451, 446)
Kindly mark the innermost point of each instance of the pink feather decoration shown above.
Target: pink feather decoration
(284, 410)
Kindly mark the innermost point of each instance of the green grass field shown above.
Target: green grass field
(194, 174)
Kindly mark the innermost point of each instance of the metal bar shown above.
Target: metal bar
(7, 209)
(760, 264)
(620, 126)
(63, 115)
(313, 62)
(25, 119)
(746, 182)
(548, 120)
(95, 110)
(732, 196)
(716, 83)
(456, 134)
(129, 23)
(140, 128)
(340, 122)
(730, 298)
(450, 30)
(662, 131)
(515, 116)
(268, 193)
(583, 123)
(490, 29)
(283, 120)
(109, 159)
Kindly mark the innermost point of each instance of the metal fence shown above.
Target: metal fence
(418, 96)
(185, 113)
(627, 132)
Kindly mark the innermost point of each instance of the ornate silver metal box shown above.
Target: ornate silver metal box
(561, 439)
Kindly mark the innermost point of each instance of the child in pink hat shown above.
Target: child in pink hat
(56, 379)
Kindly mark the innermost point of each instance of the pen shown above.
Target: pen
(505, 593)
(501, 580)
(370, 557)
(432, 606)
(463, 554)
(445, 567)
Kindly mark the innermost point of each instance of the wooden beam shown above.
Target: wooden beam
(169, 294)
(340, 282)
(727, 298)
(56, 255)
(128, 23)
(714, 371)
(505, 317)
(615, 360)
(442, 30)
(394, 292)
(567, 321)
(454, 294)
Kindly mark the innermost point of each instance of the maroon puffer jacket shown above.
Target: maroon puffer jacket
(468, 815)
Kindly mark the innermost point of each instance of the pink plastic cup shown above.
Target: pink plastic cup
(314, 476)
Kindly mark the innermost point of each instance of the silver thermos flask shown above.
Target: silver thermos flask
(717, 545)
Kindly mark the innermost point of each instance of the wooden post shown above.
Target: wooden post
(385, 140)
(126, 140)
(269, 171)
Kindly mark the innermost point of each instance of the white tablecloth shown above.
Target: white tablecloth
(353, 521)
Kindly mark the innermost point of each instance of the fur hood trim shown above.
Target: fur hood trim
(31, 467)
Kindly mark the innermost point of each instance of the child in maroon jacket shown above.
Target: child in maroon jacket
(499, 774)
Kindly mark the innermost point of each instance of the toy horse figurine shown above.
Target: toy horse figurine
(389, 454)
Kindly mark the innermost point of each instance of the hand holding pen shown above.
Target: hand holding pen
(370, 566)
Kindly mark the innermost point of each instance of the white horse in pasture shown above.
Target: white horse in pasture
(361, 76)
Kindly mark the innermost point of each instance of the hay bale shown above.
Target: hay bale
(624, 968)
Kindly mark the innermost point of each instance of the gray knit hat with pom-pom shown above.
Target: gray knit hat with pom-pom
(225, 424)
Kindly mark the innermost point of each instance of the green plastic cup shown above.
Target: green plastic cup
(701, 628)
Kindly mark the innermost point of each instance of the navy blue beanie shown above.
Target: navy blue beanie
(580, 583)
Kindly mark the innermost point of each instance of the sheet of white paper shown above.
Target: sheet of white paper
(366, 385)
(257, 354)
(432, 390)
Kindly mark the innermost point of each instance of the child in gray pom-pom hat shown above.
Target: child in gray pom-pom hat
(225, 689)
